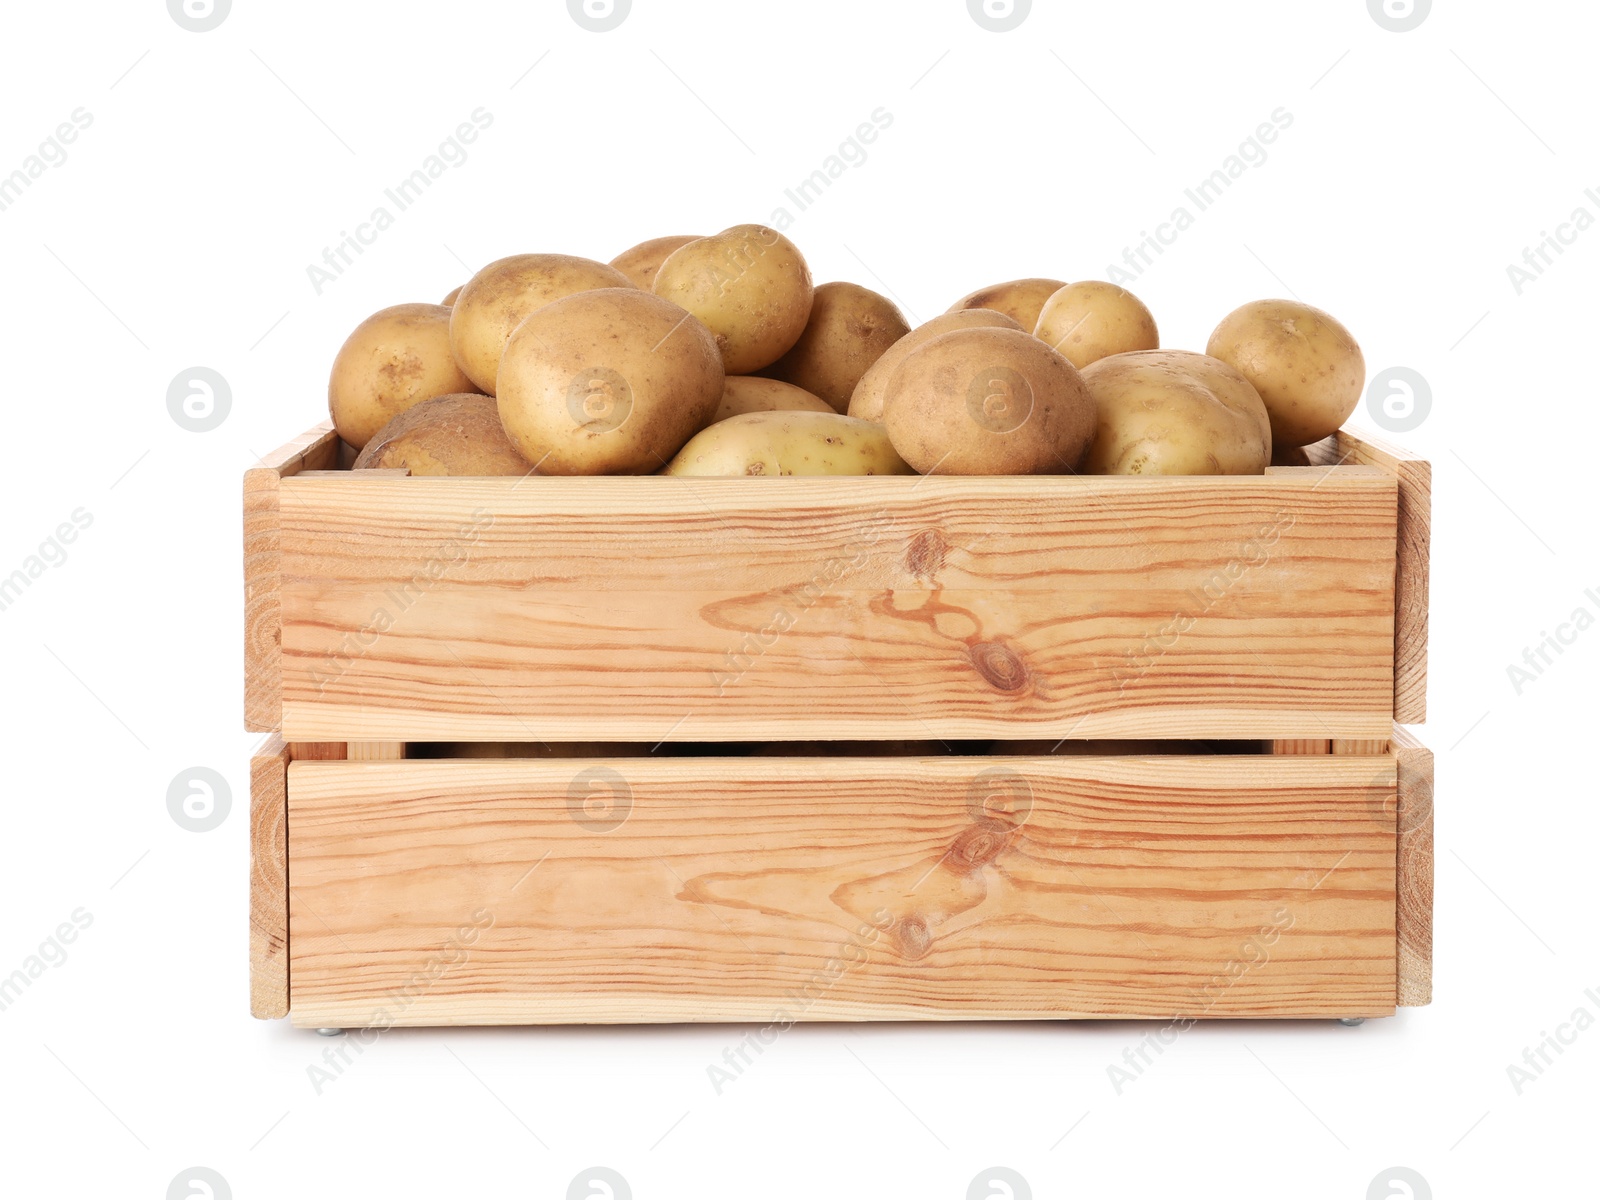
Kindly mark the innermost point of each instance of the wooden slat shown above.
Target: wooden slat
(468, 892)
(375, 751)
(316, 449)
(1414, 476)
(1300, 746)
(1359, 746)
(318, 751)
(269, 880)
(1414, 870)
(357, 477)
(894, 608)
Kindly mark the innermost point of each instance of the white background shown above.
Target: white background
(220, 164)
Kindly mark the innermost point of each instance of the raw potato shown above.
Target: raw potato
(1305, 365)
(397, 357)
(749, 285)
(447, 435)
(849, 329)
(449, 301)
(789, 443)
(1174, 412)
(866, 401)
(1019, 299)
(497, 299)
(988, 401)
(1093, 320)
(753, 393)
(640, 263)
(1290, 456)
(607, 382)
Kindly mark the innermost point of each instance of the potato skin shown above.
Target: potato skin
(450, 300)
(789, 443)
(495, 300)
(1307, 368)
(1092, 320)
(750, 286)
(641, 263)
(447, 435)
(397, 357)
(756, 393)
(1174, 412)
(988, 401)
(1019, 299)
(866, 402)
(849, 329)
(607, 382)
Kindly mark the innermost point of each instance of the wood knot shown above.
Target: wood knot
(979, 845)
(913, 937)
(1001, 667)
(925, 555)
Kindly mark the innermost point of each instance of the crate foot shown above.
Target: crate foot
(329, 1031)
(1350, 1021)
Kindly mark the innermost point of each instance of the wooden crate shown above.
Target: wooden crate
(765, 889)
(384, 612)
(384, 608)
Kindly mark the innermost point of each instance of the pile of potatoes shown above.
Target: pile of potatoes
(710, 356)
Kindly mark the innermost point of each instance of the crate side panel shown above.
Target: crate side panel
(269, 880)
(1414, 475)
(1414, 870)
(484, 892)
(315, 449)
(639, 609)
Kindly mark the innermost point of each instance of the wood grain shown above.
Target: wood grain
(468, 892)
(366, 473)
(269, 880)
(1299, 746)
(316, 449)
(1414, 870)
(886, 608)
(374, 751)
(1359, 746)
(318, 751)
(1414, 477)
